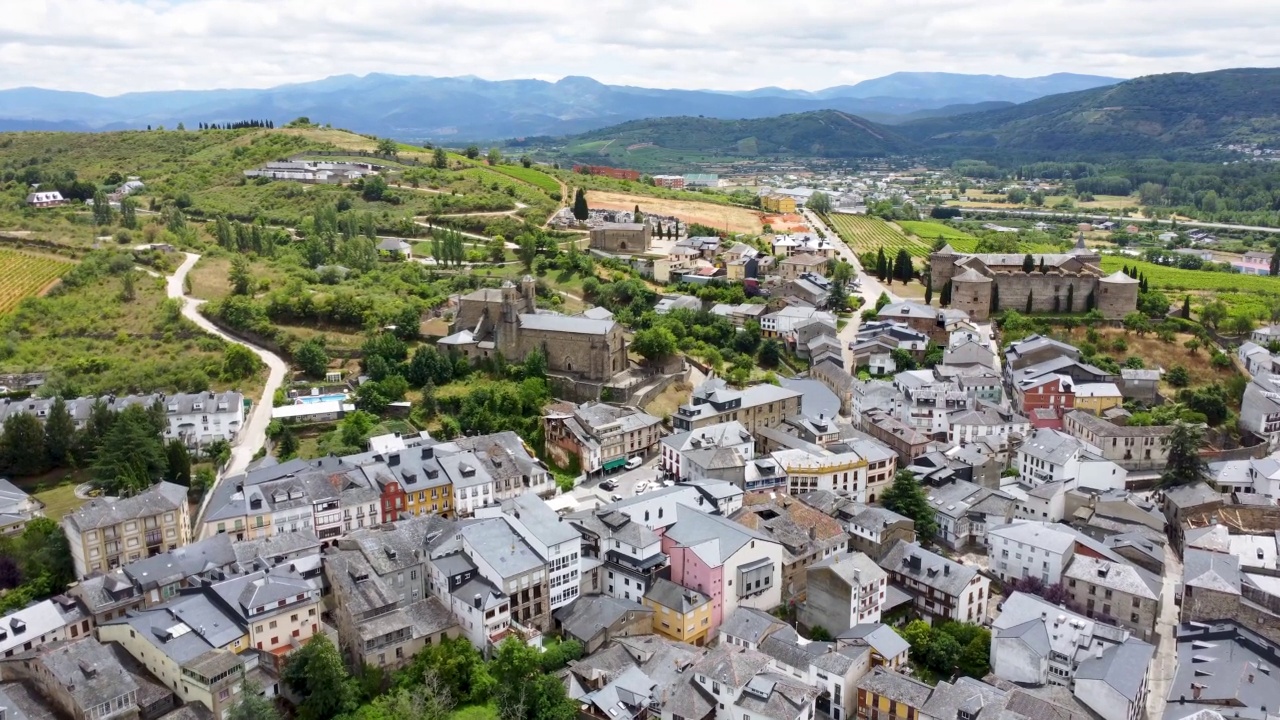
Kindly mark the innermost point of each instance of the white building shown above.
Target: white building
(556, 541)
(1030, 549)
(783, 323)
(985, 421)
(1054, 456)
(835, 472)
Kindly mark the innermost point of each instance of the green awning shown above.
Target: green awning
(615, 464)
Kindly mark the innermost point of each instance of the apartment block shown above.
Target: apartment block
(106, 533)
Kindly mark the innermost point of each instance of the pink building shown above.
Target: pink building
(1254, 262)
(731, 564)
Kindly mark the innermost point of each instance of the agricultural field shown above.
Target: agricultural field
(868, 234)
(930, 231)
(536, 178)
(722, 217)
(23, 275)
(1167, 278)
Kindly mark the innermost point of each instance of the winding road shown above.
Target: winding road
(253, 434)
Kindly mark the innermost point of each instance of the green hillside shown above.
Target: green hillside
(1177, 111)
(824, 133)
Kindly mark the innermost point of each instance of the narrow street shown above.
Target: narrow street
(1166, 659)
(870, 286)
(253, 434)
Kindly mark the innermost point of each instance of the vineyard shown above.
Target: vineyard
(868, 234)
(23, 275)
(1168, 278)
(536, 178)
(930, 231)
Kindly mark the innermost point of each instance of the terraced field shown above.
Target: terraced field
(23, 275)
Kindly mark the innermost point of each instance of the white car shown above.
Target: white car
(642, 486)
(634, 463)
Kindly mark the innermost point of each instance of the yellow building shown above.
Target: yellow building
(887, 695)
(1096, 397)
(776, 203)
(107, 533)
(201, 663)
(679, 613)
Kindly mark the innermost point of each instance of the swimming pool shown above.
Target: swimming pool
(312, 399)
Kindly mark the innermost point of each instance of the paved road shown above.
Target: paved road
(1166, 660)
(1069, 216)
(627, 480)
(870, 288)
(254, 433)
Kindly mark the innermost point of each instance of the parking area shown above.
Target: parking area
(626, 482)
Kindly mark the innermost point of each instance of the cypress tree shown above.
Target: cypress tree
(945, 300)
(995, 298)
(1089, 301)
(1071, 298)
(1275, 262)
(1057, 303)
(880, 264)
(1030, 300)
(1028, 263)
(928, 294)
(1043, 269)
(1186, 307)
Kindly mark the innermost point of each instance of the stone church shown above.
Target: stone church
(1072, 282)
(504, 321)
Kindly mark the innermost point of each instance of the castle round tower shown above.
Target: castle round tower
(1117, 295)
(942, 266)
(971, 292)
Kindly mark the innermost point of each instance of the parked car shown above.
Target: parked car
(642, 486)
(615, 497)
(634, 463)
(608, 485)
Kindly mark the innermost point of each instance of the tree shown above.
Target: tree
(374, 188)
(882, 265)
(580, 209)
(654, 343)
(1186, 307)
(928, 293)
(902, 266)
(1030, 301)
(241, 280)
(102, 212)
(128, 286)
(59, 435)
(132, 456)
(636, 215)
(770, 353)
(884, 300)
(1178, 376)
(439, 159)
(1184, 465)
(252, 705)
(22, 446)
(1213, 313)
(522, 691)
(129, 213)
(527, 250)
(945, 300)
(907, 498)
(388, 147)
(288, 444)
(178, 461)
(819, 202)
(526, 161)
(494, 157)
(312, 358)
(472, 152)
(1071, 297)
(316, 674)
(1043, 268)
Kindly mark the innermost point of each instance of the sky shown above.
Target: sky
(109, 47)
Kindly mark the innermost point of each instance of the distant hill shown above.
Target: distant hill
(956, 88)
(1157, 113)
(824, 133)
(949, 111)
(461, 109)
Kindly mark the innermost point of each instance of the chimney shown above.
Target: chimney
(477, 601)
(393, 460)
(1195, 691)
(427, 453)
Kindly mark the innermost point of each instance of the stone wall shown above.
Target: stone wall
(1014, 288)
(621, 240)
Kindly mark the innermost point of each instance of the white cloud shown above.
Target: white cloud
(114, 46)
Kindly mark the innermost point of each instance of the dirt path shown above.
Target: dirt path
(254, 433)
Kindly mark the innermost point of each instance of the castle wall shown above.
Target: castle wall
(625, 240)
(1115, 300)
(941, 269)
(973, 298)
(1014, 288)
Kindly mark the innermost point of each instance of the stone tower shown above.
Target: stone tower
(509, 321)
(942, 265)
(1117, 295)
(529, 292)
(971, 292)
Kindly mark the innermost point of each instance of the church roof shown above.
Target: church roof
(566, 324)
(1119, 277)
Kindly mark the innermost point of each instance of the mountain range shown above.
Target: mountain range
(1178, 113)
(456, 109)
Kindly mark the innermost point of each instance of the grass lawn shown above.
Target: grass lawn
(60, 500)
(666, 403)
(475, 712)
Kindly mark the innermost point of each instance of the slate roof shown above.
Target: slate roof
(750, 624)
(966, 694)
(1118, 576)
(1052, 446)
(590, 615)
(670, 595)
(896, 687)
(1123, 667)
(712, 538)
(878, 636)
(67, 662)
(103, 512)
(931, 573)
(731, 665)
(500, 546)
(549, 322)
(1211, 570)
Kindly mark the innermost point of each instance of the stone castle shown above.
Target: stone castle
(505, 321)
(1072, 283)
